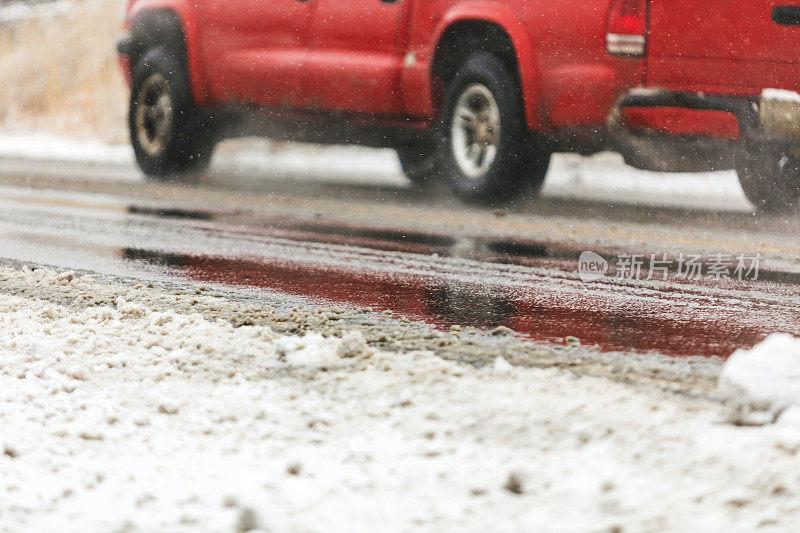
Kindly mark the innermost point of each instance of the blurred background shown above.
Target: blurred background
(59, 69)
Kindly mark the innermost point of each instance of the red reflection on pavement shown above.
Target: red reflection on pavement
(664, 326)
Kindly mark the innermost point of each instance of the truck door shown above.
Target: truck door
(729, 46)
(253, 50)
(355, 53)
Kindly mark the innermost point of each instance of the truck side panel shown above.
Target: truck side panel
(739, 47)
(580, 82)
(567, 77)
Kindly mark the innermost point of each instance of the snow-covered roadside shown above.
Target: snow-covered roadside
(56, 149)
(601, 177)
(125, 419)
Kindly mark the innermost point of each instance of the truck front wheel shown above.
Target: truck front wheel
(487, 157)
(770, 177)
(169, 134)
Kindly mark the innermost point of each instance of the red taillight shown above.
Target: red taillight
(627, 27)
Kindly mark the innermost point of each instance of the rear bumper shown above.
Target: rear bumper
(745, 110)
(682, 132)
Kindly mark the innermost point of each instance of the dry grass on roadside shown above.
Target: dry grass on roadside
(59, 74)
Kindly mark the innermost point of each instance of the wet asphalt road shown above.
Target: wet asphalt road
(353, 243)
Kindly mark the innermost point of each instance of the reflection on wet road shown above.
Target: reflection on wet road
(535, 309)
(527, 285)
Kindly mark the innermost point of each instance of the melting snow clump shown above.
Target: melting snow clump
(761, 383)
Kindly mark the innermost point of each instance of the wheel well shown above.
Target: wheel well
(463, 39)
(157, 28)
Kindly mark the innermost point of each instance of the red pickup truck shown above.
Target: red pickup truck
(476, 92)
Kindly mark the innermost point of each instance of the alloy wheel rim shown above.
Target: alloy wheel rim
(154, 114)
(475, 131)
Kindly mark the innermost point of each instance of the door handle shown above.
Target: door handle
(786, 15)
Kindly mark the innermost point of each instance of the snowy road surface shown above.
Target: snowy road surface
(320, 348)
(428, 259)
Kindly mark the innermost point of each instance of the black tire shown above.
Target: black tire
(171, 138)
(519, 163)
(770, 177)
(421, 163)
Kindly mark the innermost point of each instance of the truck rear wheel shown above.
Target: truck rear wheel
(770, 178)
(168, 133)
(487, 157)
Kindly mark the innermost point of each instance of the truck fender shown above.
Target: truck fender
(166, 15)
(504, 17)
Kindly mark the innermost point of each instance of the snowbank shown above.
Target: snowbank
(121, 418)
(763, 382)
